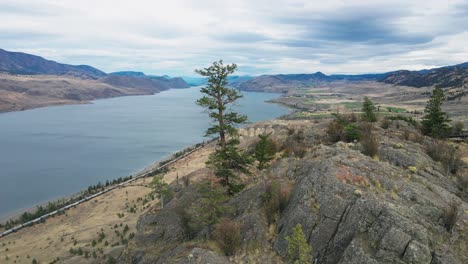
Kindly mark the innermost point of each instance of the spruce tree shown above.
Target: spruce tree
(435, 122)
(368, 110)
(299, 251)
(265, 150)
(227, 160)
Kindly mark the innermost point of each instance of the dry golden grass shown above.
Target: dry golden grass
(54, 238)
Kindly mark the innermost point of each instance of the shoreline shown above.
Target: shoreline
(140, 173)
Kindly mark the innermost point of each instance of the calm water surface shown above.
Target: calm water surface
(48, 153)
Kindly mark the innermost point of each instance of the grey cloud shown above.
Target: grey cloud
(241, 37)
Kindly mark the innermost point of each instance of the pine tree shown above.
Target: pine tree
(227, 160)
(368, 110)
(160, 188)
(208, 210)
(299, 251)
(435, 122)
(265, 150)
(217, 98)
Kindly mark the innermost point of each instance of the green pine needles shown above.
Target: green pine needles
(435, 122)
(368, 109)
(265, 150)
(299, 251)
(227, 160)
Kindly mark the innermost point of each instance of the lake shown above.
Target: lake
(48, 153)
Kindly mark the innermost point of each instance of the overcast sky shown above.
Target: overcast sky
(262, 36)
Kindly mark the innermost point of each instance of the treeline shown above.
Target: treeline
(56, 205)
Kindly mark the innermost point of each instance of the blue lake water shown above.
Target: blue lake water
(51, 152)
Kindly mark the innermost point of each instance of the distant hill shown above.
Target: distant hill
(141, 80)
(448, 76)
(128, 73)
(444, 77)
(233, 80)
(22, 63)
(29, 81)
(281, 83)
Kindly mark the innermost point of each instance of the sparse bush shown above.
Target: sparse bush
(352, 132)
(408, 120)
(186, 180)
(206, 212)
(275, 198)
(462, 180)
(385, 123)
(227, 236)
(457, 128)
(295, 144)
(370, 145)
(451, 216)
(335, 131)
(350, 118)
(446, 154)
(406, 134)
(299, 251)
(111, 260)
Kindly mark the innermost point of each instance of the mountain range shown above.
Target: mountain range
(29, 81)
(444, 77)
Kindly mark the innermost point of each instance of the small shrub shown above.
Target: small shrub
(451, 216)
(398, 146)
(413, 169)
(227, 236)
(370, 145)
(462, 180)
(335, 131)
(446, 154)
(276, 198)
(206, 212)
(350, 118)
(406, 134)
(186, 180)
(385, 124)
(457, 128)
(299, 251)
(408, 120)
(352, 132)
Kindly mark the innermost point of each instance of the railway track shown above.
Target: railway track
(85, 199)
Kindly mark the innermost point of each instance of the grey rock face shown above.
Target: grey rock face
(417, 253)
(352, 209)
(357, 210)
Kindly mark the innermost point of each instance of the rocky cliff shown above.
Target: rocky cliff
(399, 207)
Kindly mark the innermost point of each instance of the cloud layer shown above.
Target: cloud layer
(262, 37)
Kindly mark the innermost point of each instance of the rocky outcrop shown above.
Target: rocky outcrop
(357, 210)
(352, 209)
